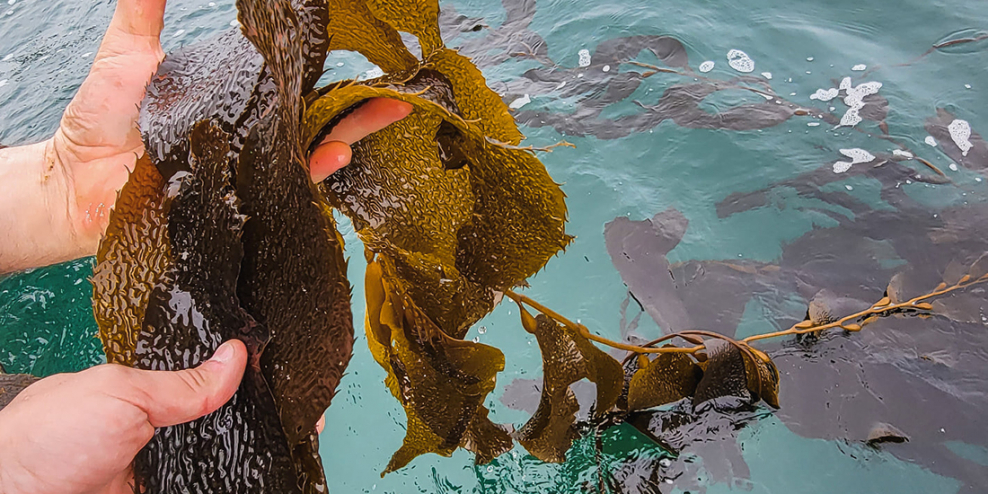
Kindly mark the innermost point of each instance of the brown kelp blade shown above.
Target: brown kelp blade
(444, 193)
(567, 357)
(441, 382)
(186, 318)
(665, 379)
(480, 228)
(222, 81)
(293, 277)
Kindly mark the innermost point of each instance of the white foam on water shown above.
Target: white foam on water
(809, 59)
(561, 84)
(960, 132)
(8, 57)
(813, 124)
(845, 83)
(848, 187)
(606, 68)
(855, 101)
(178, 33)
(967, 86)
(520, 102)
(930, 141)
(842, 166)
(851, 118)
(767, 96)
(977, 179)
(584, 55)
(740, 61)
(10, 2)
(86, 55)
(905, 154)
(767, 75)
(859, 67)
(857, 155)
(234, 23)
(706, 66)
(953, 167)
(211, 4)
(825, 94)
(3, 82)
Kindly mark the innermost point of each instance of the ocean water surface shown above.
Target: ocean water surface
(762, 154)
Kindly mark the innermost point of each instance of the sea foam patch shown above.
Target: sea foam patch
(857, 155)
(740, 61)
(960, 132)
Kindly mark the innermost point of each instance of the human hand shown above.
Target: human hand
(79, 433)
(98, 141)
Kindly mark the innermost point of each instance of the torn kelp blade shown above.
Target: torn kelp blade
(567, 357)
(441, 382)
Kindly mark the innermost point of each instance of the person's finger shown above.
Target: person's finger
(321, 425)
(372, 116)
(327, 158)
(177, 397)
(139, 17)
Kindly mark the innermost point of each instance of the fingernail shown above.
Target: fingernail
(223, 354)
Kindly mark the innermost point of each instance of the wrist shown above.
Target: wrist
(36, 202)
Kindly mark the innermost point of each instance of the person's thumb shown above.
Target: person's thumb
(181, 396)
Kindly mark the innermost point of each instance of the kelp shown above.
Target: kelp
(220, 234)
(213, 236)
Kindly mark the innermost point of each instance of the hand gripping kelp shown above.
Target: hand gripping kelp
(220, 234)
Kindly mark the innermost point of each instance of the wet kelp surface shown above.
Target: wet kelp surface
(219, 234)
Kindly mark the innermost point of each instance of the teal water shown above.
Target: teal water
(46, 325)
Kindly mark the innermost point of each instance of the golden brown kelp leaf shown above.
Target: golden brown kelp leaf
(567, 357)
(748, 374)
(665, 379)
(293, 276)
(12, 384)
(132, 259)
(353, 27)
(456, 235)
(241, 447)
(441, 382)
(491, 216)
(418, 17)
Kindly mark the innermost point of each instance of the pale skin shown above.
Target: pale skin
(79, 433)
